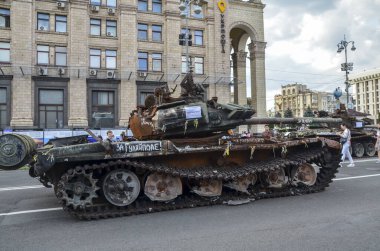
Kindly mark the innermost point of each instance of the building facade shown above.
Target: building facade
(367, 92)
(297, 97)
(82, 63)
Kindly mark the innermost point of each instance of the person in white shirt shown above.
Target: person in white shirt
(345, 140)
(378, 142)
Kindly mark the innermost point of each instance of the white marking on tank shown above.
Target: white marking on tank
(32, 211)
(357, 177)
(2, 189)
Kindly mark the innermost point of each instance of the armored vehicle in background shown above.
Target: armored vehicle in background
(362, 140)
(185, 156)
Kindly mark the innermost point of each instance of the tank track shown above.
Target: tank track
(326, 158)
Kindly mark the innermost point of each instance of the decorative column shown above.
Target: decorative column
(128, 59)
(21, 54)
(239, 69)
(240, 92)
(258, 87)
(78, 58)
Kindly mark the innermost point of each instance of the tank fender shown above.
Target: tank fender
(330, 143)
(45, 161)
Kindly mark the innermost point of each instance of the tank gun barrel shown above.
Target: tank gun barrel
(371, 126)
(300, 120)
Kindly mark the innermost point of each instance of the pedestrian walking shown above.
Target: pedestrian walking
(345, 140)
(378, 143)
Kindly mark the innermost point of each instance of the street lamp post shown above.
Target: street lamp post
(342, 45)
(184, 7)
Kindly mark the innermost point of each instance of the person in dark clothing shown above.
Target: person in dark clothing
(110, 136)
(267, 134)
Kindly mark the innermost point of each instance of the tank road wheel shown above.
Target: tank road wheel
(358, 149)
(162, 187)
(276, 178)
(242, 184)
(207, 188)
(370, 149)
(77, 188)
(305, 174)
(121, 187)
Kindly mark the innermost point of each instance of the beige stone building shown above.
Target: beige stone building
(297, 97)
(83, 63)
(367, 92)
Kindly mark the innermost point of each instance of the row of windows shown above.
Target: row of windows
(366, 108)
(110, 56)
(374, 85)
(142, 32)
(141, 6)
(108, 3)
(156, 7)
(43, 52)
(96, 27)
(43, 19)
(143, 61)
(293, 92)
(43, 24)
(198, 64)
(111, 28)
(51, 108)
(197, 34)
(143, 64)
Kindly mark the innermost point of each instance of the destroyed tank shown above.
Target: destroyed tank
(184, 155)
(363, 141)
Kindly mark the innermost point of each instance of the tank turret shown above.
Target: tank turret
(188, 115)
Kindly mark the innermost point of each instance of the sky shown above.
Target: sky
(302, 38)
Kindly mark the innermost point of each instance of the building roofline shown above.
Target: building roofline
(366, 75)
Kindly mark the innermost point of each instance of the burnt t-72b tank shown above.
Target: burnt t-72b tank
(185, 156)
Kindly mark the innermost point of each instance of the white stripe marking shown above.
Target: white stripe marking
(19, 188)
(32, 211)
(362, 160)
(357, 177)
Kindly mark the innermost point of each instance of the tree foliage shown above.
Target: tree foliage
(308, 113)
(288, 113)
(323, 114)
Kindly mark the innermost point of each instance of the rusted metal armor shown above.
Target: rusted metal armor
(184, 158)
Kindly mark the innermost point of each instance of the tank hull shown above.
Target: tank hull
(362, 143)
(94, 181)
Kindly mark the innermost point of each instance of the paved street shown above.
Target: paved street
(344, 217)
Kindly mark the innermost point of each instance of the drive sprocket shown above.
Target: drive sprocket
(77, 188)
